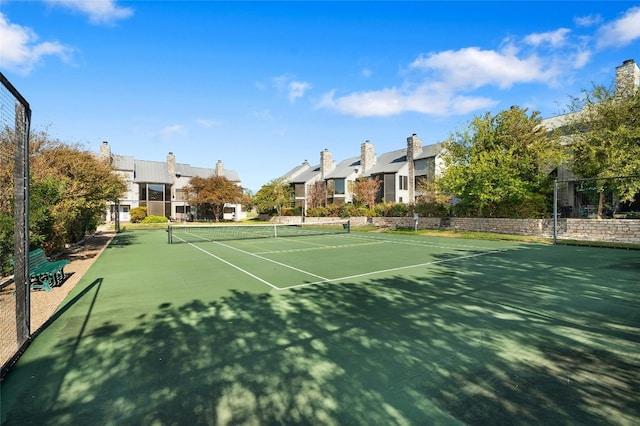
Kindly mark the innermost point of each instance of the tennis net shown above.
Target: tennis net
(203, 233)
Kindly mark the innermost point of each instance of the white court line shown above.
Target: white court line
(259, 257)
(392, 269)
(322, 247)
(465, 247)
(236, 267)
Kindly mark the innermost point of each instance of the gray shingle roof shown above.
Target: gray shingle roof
(308, 175)
(122, 162)
(344, 168)
(293, 173)
(151, 171)
(389, 162)
(428, 151)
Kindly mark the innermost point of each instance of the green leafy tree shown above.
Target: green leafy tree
(86, 184)
(604, 140)
(69, 188)
(212, 193)
(499, 165)
(273, 196)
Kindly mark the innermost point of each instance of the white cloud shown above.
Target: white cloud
(622, 31)
(587, 21)
(553, 38)
(170, 131)
(297, 89)
(426, 99)
(21, 51)
(449, 82)
(98, 11)
(293, 89)
(472, 67)
(445, 76)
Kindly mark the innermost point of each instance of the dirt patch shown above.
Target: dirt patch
(45, 303)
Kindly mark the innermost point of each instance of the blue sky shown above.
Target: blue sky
(263, 86)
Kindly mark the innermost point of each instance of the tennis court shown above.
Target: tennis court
(347, 328)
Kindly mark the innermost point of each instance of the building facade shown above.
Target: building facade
(159, 186)
(400, 173)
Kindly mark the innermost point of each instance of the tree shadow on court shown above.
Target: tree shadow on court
(498, 339)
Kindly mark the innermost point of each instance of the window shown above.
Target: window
(156, 192)
(180, 195)
(404, 182)
(338, 186)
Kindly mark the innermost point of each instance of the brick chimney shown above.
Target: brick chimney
(326, 163)
(414, 148)
(627, 77)
(367, 156)
(105, 152)
(219, 169)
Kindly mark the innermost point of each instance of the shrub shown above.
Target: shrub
(291, 211)
(138, 214)
(431, 210)
(317, 212)
(155, 219)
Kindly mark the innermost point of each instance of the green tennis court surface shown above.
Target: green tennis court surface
(358, 328)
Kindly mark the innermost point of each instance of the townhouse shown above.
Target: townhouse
(400, 173)
(159, 186)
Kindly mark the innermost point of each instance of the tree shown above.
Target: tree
(499, 165)
(317, 194)
(85, 182)
(365, 190)
(213, 193)
(604, 140)
(273, 196)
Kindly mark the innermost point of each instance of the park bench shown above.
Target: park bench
(43, 273)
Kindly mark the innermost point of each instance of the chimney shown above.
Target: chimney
(414, 147)
(219, 169)
(171, 164)
(627, 78)
(326, 163)
(367, 156)
(105, 152)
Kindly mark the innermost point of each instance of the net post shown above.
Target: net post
(275, 231)
(555, 211)
(349, 226)
(169, 236)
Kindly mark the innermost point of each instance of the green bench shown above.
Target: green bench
(43, 273)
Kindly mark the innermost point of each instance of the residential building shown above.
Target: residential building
(159, 186)
(400, 178)
(572, 199)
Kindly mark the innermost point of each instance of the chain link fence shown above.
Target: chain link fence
(15, 122)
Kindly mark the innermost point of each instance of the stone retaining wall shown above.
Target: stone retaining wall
(606, 230)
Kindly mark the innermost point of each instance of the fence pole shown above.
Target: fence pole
(555, 211)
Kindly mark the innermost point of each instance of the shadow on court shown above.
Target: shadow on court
(536, 335)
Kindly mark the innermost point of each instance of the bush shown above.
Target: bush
(138, 214)
(317, 212)
(391, 210)
(291, 211)
(431, 210)
(155, 219)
